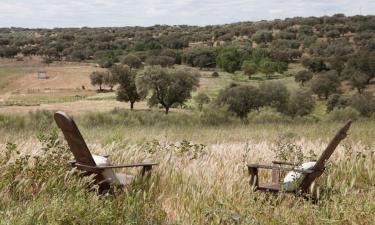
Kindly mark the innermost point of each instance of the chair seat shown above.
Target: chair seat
(124, 179)
(273, 187)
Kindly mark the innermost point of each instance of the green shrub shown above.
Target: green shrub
(343, 114)
(41, 119)
(364, 103)
(212, 116)
(12, 121)
(215, 74)
(267, 115)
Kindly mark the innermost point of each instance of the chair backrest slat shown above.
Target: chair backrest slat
(320, 164)
(74, 138)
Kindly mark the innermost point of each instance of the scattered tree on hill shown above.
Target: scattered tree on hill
(337, 101)
(132, 60)
(240, 99)
(262, 36)
(97, 78)
(167, 87)
(110, 80)
(275, 94)
(249, 68)
(215, 74)
(127, 90)
(301, 103)
(314, 64)
(164, 61)
(201, 57)
(303, 76)
(201, 99)
(358, 80)
(365, 63)
(325, 83)
(229, 59)
(364, 103)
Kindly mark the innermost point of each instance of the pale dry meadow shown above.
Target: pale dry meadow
(201, 177)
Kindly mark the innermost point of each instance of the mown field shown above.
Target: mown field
(201, 177)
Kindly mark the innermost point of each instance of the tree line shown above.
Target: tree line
(230, 47)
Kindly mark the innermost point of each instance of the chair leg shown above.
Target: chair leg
(276, 174)
(253, 172)
(146, 170)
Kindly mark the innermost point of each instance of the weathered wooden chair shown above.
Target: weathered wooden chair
(94, 164)
(307, 176)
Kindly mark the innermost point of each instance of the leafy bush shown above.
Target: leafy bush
(300, 103)
(343, 114)
(267, 115)
(337, 101)
(212, 116)
(364, 103)
(215, 74)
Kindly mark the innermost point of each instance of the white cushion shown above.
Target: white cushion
(292, 179)
(108, 174)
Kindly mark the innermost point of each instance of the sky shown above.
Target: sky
(104, 13)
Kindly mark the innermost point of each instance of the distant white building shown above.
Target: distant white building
(42, 75)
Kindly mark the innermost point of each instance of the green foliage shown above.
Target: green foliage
(337, 101)
(267, 115)
(286, 150)
(249, 68)
(229, 59)
(303, 76)
(260, 61)
(127, 91)
(97, 78)
(240, 99)
(300, 103)
(201, 99)
(314, 64)
(110, 80)
(262, 36)
(343, 114)
(215, 74)
(325, 83)
(358, 80)
(163, 61)
(132, 60)
(364, 103)
(167, 87)
(201, 56)
(275, 95)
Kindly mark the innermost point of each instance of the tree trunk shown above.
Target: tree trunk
(166, 110)
(131, 106)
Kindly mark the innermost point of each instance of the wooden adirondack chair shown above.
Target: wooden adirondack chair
(92, 164)
(309, 175)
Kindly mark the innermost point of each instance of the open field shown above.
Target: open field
(21, 91)
(201, 177)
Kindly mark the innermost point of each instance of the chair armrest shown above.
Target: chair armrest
(115, 166)
(128, 165)
(284, 163)
(262, 166)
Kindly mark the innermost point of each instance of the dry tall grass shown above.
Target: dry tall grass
(198, 184)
